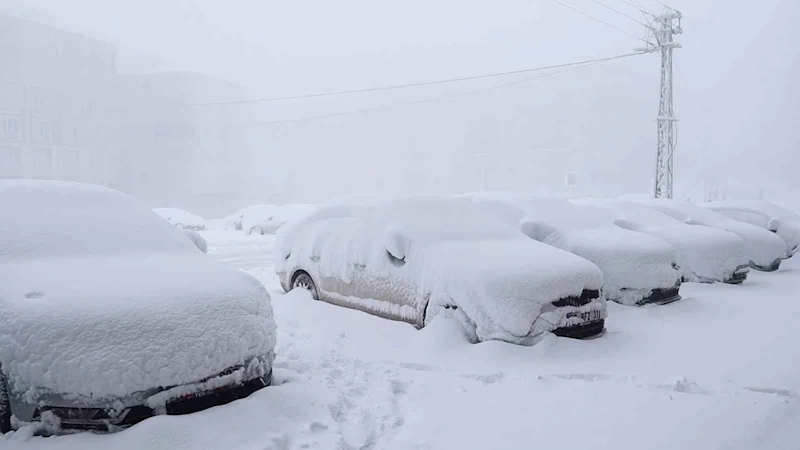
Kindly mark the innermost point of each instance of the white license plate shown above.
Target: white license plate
(588, 316)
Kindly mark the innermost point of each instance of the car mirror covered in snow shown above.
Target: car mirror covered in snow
(396, 243)
(536, 230)
(625, 223)
(773, 225)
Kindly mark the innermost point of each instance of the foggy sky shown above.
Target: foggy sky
(735, 96)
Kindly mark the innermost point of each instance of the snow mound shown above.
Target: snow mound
(633, 264)
(445, 254)
(114, 300)
(181, 219)
(763, 248)
(704, 254)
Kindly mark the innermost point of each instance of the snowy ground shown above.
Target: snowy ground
(718, 370)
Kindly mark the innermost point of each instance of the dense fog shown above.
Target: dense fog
(155, 98)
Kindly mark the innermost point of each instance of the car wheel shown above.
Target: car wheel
(257, 230)
(304, 281)
(5, 406)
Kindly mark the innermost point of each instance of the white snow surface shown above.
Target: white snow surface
(711, 372)
(633, 264)
(704, 254)
(763, 247)
(114, 300)
(451, 250)
(181, 218)
(272, 218)
(783, 221)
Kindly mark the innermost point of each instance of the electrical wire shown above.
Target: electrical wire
(639, 7)
(600, 21)
(621, 13)
(665, 6)
(396, 86)
(438, 99)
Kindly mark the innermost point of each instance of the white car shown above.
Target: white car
(234, 221)
(113, 315)
(777, 219)
(638, 269)
(765, 250)
(416, 259)
(268, 220)
(181, 219)
(704, 254)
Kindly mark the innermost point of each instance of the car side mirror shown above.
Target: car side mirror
(690, 221)
(625, 223)
(537, 231)
(773, 225)
(396, 245)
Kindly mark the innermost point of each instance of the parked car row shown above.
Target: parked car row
(512, 267)
(114, 315)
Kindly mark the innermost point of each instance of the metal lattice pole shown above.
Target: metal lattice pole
(666, 114)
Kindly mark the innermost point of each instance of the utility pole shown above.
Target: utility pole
(666, 114)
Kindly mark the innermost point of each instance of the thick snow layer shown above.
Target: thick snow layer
(782, 221)
(633, 264)
(704, 254)
(234, 221)
(267, 220)
(181, 219)
(447, 251)
(682, 376)
(114, 300)
(763, 247)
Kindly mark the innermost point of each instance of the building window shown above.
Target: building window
(10, 163)
(12, 127)
(44, 132)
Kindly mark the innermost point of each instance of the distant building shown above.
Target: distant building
(174, 152)
(53, 90)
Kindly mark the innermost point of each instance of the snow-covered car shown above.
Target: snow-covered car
(765, 250)
(181, 219)
(705, 254)
(777, 219)
(114, 316)
(638, 269)
(269, 219)
(234, 221)
(416, 259)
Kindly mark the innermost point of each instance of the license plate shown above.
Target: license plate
(588, 316)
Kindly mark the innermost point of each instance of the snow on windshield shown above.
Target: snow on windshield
(50, 218)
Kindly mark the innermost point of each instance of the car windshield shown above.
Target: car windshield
(78, 221)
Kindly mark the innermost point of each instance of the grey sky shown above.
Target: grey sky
(735, 94)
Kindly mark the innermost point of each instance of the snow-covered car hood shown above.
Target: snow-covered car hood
(502, 285)
(113, 326)
(703, 253)
(627, 259)
(182, 219)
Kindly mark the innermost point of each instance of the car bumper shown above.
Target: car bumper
(769, 268)
(739, 275)
(662, 296)
(59, 415)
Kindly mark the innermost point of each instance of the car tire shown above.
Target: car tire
(256, 230)
(302, 280)
(5, 405)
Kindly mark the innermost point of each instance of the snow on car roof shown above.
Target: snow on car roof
(644, 216)
(51, 218)
(432, 219)
(775, 211)
(679, 210)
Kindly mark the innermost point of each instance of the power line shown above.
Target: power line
(621, 13)
(600, 21)
(665, 6)
(396, 86)
(639, 7)
(575, 66)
